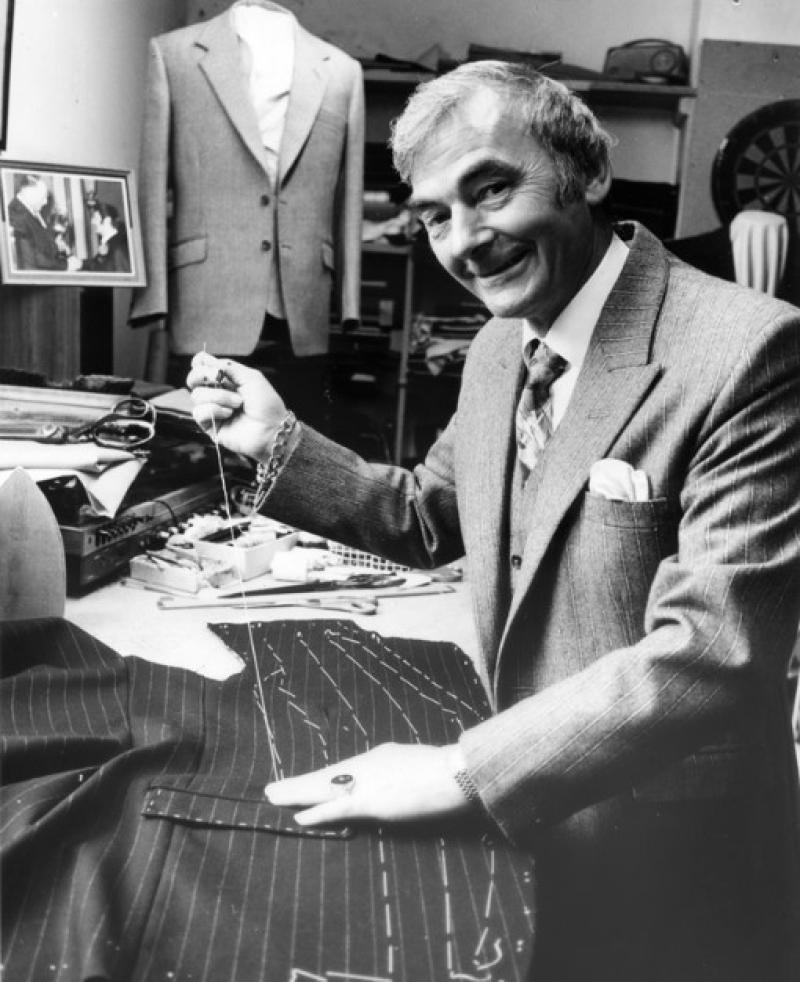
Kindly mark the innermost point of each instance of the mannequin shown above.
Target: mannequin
(254, 129)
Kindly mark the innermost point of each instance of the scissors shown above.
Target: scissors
(350, 605)
(131, 423)
(355, 581)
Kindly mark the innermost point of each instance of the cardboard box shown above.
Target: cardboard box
(250, 557)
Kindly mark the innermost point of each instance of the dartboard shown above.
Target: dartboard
(758, 164)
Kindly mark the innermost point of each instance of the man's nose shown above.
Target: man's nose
(468, 233)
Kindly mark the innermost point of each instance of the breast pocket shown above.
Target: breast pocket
(614, 555)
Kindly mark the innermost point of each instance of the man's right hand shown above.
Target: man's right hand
(245, 415)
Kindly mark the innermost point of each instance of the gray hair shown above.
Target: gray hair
(564, 126)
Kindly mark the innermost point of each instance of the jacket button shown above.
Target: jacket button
(516, 561)
(265, 200)
(266, 246)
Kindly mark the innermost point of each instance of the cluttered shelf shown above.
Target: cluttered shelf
(640, 95)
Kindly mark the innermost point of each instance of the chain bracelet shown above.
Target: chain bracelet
(468, 787)
(267, 473)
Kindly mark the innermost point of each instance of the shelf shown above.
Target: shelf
(597, 91)
(389, 77)
(387, 248)
(635, 95)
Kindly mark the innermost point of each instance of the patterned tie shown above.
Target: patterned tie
(535, 409)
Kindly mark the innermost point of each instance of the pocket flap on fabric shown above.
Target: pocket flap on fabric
(328, 259)
(216, 811)
(190, 251)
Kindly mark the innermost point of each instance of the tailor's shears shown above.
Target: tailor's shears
(350, 605)
(355, 581)
(129, 424)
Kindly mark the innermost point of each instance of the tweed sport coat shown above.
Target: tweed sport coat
(213, 264)
(641, 744)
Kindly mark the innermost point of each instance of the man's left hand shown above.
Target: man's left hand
(391, 783)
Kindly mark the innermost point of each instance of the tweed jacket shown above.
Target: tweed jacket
(641, 743)
(232, 241)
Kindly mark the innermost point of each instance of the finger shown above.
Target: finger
(311, 788)
(204, 365)
(223, 398)
(208, 417)
(207, 371)
(328, 813)
(296, 792)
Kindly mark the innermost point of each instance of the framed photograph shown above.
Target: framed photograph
(6, 20)
(69, 226)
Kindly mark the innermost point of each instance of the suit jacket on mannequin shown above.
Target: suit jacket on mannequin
(233, 241)
(642, 747)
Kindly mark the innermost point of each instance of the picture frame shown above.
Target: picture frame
(69, 226)
(6, 23)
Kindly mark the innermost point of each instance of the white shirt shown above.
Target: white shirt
(267, 37)
(570, 333)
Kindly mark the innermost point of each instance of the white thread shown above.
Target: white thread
(277, 770)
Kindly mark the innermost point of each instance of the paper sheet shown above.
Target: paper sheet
(106, 474)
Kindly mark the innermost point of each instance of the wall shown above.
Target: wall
(766, 21)
(759, 69)
(75, 97)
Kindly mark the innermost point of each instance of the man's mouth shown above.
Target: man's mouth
(501, 267)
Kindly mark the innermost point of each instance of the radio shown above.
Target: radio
(648, 60)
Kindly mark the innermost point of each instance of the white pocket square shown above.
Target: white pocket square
(616, 479)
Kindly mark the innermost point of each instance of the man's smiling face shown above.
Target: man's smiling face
(486, 192)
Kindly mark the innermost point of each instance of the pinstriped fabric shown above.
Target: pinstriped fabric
(137, 843)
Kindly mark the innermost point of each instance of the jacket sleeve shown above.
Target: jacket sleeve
(719, 623)
(151, 301)
(350, 204)
(407, 517)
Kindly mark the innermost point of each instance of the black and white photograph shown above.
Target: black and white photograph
(400, 491)
(62, 226)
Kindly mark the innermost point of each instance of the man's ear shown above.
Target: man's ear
(598, 187)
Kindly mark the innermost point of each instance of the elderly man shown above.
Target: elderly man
(622, 475)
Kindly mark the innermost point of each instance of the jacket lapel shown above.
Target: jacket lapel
(221, 63)
(616, 376)
(308, 87)
(490, 426)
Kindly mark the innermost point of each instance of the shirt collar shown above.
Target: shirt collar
(243, 12)
(571, 331)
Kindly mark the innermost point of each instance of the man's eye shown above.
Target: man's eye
(493, 190)
(434, 222)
